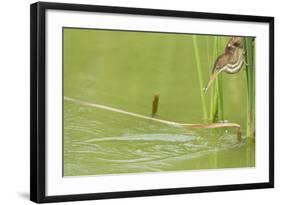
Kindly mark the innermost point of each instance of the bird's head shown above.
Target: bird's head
(233, 44)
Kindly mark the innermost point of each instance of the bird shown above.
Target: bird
(231, 61)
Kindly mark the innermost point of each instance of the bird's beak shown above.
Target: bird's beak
(211, 79)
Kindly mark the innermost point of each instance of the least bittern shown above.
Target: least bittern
(231, 61)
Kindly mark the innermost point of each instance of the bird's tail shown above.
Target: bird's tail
(211, 80)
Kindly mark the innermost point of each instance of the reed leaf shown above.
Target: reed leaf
(200, 77)
(250, 81)
(216, 102)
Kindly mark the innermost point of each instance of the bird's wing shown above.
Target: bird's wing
(235, 67)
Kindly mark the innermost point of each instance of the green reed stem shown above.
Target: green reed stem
(250, 73)
(216, 105)
(200, 76)
(213, 102)
(210, 64)
(220, 92)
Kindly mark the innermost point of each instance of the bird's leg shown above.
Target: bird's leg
(244, 60)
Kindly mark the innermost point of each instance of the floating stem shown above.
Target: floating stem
(166, 122)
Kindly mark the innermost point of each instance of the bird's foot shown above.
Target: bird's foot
(247, 64)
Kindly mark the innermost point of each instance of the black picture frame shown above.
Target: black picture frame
(38, 101)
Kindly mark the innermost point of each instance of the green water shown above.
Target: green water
(124, 70)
